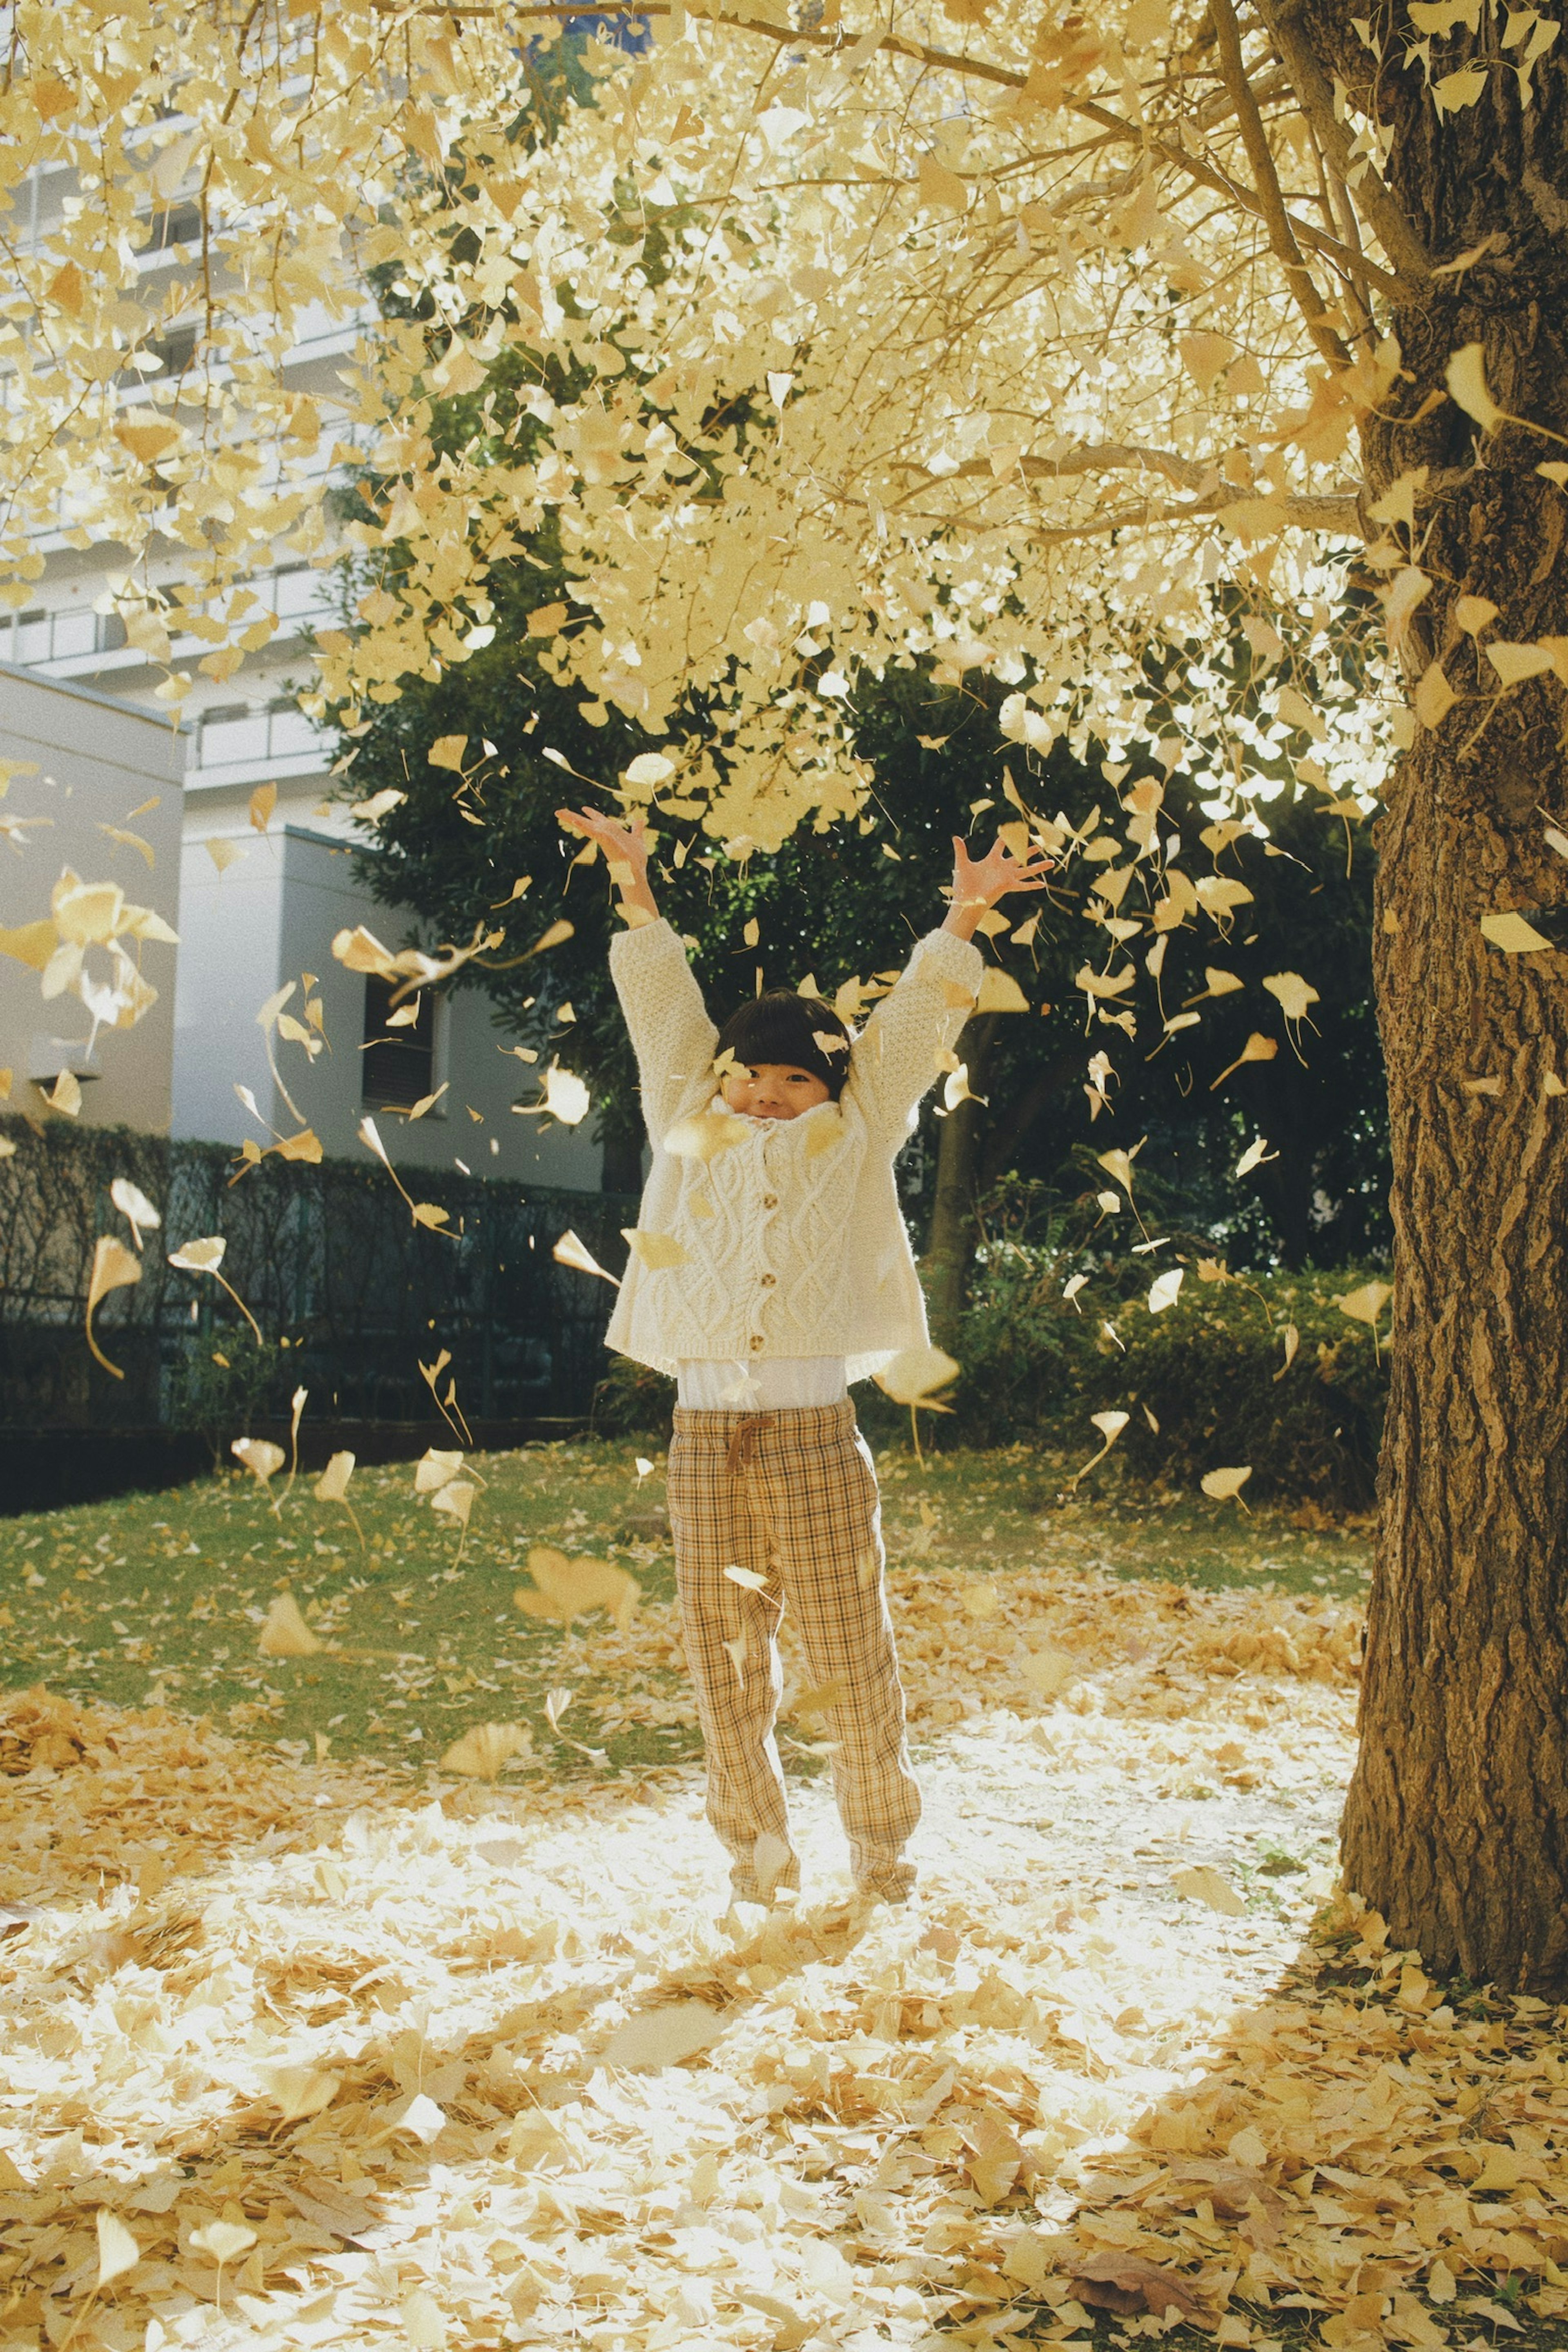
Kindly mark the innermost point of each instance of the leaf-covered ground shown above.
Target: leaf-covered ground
(345, 2052)
(157, 1598)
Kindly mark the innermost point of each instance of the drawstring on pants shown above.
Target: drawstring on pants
(743, 1440)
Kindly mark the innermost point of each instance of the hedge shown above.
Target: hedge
(1203, 1380)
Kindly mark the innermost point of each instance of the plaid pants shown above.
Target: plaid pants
(791, 1496)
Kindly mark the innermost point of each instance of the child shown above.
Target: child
(779, 1270)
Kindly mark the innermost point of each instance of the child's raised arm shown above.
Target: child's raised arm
(671, 1035)
(895, 1059)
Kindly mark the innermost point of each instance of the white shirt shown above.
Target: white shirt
(774, 1384)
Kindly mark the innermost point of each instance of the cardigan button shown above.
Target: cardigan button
(756, 1343)
(767, 1280)
(770, 1199)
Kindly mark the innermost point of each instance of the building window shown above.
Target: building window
(399, 1062)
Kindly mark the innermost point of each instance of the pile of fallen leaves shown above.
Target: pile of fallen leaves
(314, 2054)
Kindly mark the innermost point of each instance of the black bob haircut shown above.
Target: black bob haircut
(783, 1027)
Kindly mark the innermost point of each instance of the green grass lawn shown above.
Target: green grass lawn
(158, 1598)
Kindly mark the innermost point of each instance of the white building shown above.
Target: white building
(259, 909)
(81, 769)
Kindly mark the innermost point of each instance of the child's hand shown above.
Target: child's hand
(979, 882)
(624, 848)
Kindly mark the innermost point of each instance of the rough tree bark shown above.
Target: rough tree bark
(1457, 1825)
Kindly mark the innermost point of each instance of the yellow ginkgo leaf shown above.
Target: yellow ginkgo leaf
(1293, 993)
(1225, 1486)
(286, 1634)
(570, 1251)
(1465, 376)
(435, 1470)
(456, 1499)
(1200, 1884)
(704, 1135)
(565, 1589)
(259, 1455)
(1513, 934)
(1365, 1305)
(118, 2251)
(656, 1250)
(114, 1267)
(480, 1754)
(1163, 1289)
(915, 1373)
(1000, 993)
(333, 1486)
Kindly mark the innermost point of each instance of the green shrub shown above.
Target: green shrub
(1203, 1380)
(633, 1401)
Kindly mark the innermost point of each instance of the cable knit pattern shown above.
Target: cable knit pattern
(793, 1238)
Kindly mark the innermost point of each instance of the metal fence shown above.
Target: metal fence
(325, 1257)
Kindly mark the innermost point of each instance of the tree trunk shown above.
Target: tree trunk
(950, 1246)
(1456, 1825)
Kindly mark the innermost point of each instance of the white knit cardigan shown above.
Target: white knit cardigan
(790, 1236)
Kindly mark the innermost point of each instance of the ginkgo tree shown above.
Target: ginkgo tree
(998, 338)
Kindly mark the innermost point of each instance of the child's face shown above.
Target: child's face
(773, 1090)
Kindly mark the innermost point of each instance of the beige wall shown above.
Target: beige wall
(97, 761)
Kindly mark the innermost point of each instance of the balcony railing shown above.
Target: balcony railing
(236, 739)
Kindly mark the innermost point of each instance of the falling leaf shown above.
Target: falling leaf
(748, 1579)
(1292, 1343)
(1512, 934)
(1365, 1305)
(1255, 1156)
(224, 2241)
(1111, 1425)
(118, 2251)
(566, 1589)
(225, 854)
(286, 1635)
(1467, 378)
(1202, 1885)
(134, 1207)
(132, 841)
(66, 1097)
(114, 1267)
(915, 1373)
(656, 1250)
(1000, 993)
(570, 1251)
(333, 1486)
(1226, 1486)
(435, 1470)
(1258, 1048)
(480, 1754)
(379, 804)
(1074, 1284)
(565, 1098)
(456, 1499)
(1293, 993)
(1163, 1289)
(704, 1135)
(1048, 1671)
(263, 801)
(259, 1455)
(447, 751)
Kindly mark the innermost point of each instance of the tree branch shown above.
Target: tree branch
(1281, 229)
(1195, 167)
(1397, 235)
